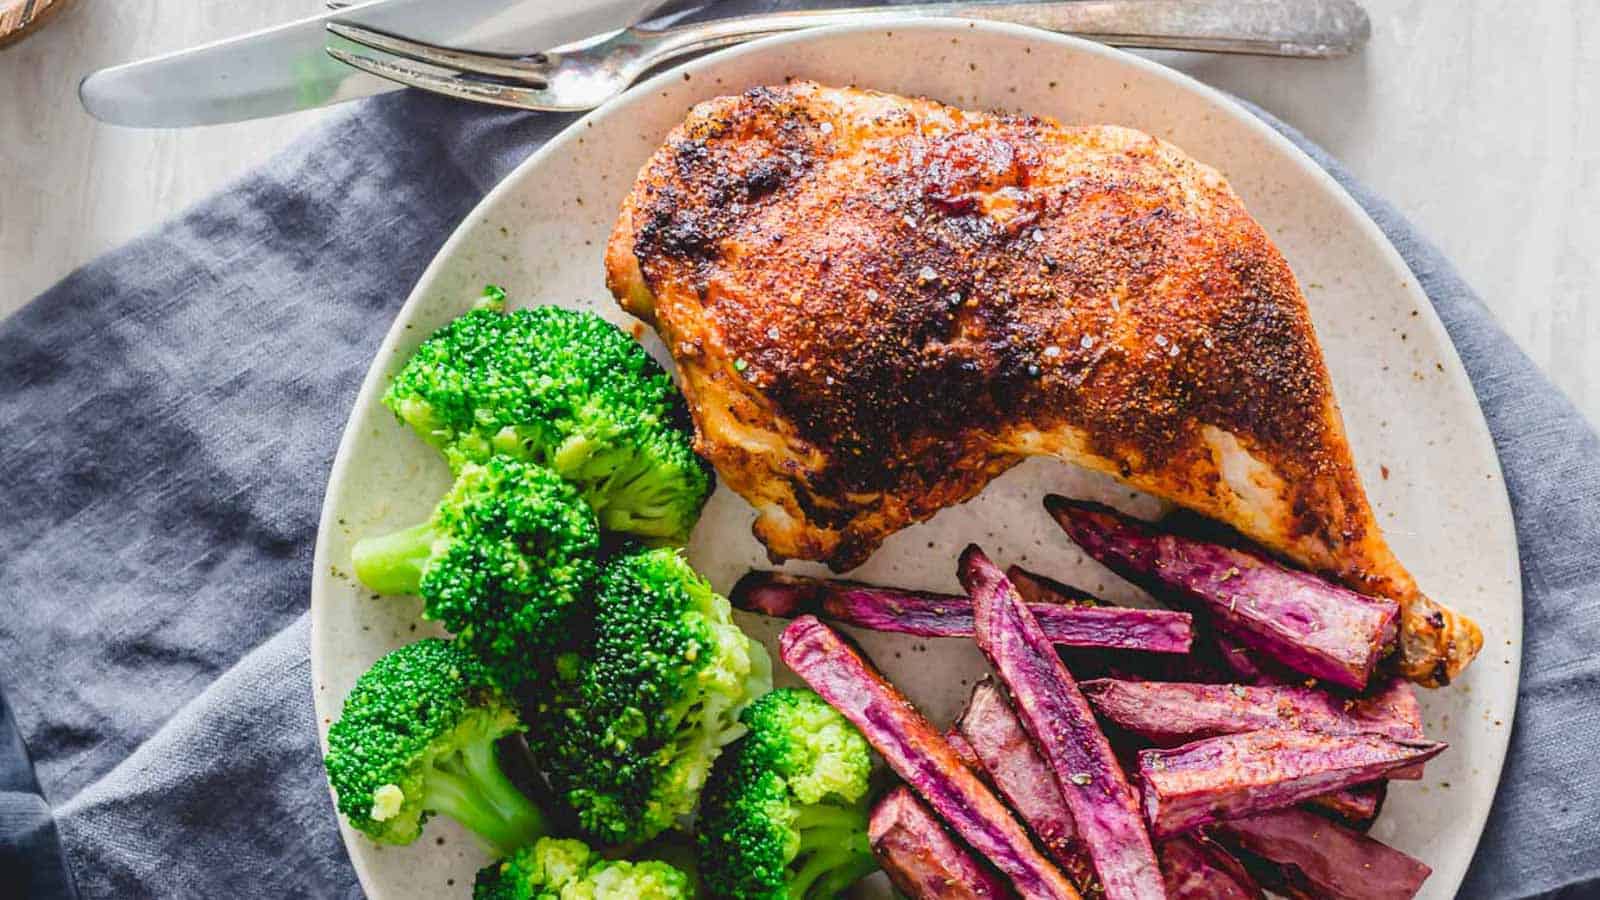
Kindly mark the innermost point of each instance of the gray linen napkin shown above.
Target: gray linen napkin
(171, 413)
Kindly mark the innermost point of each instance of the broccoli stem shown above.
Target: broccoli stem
(393, 563)
(827, 873)
(644, 502)
(833, 843)
(471, 788)
(827, 817)
(626, 491)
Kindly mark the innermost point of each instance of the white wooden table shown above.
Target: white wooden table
(1480, 119)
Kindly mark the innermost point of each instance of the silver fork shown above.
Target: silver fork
(583, 76)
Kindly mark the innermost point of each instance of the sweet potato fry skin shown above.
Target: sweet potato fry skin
(1063, 728)
(1315, 857)
(939, 615)
(911, 746)
(1196, 868)
(922, 859)
(1004, 750)
(1171, 713)
(1239, 775)
(1313, 626)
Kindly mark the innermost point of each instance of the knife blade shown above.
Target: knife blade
(286, 68)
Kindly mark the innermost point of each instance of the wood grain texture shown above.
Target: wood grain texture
(1473, 117)
(19, 18)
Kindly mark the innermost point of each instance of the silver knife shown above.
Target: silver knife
(287, 68)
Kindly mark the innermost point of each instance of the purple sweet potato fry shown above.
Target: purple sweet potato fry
(1357, 804)
(921, 858)
(940, 615)
(1315, 857)
(1308, 624)
(1002, 747)
(916, 752)
(1171, 713)
(1239, 775)
(1196, 868)
(1063, 728)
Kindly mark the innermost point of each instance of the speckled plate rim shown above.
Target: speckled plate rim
(1447, 873)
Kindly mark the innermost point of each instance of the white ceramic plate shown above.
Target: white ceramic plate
(1419, 438)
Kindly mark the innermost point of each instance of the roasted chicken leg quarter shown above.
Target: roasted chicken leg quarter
(878, 304)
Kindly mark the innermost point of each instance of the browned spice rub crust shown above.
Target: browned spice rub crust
(878, 304)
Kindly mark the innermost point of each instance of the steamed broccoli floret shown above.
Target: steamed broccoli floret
(568, 870)
(502, 562)
(571, 391)
(642, 707)
(416, 737)
(784, 814)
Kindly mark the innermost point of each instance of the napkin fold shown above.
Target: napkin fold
(171, 414)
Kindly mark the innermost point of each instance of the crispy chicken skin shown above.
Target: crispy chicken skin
(878, 304)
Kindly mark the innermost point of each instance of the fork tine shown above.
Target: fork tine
(529, 70)
(418, 75)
